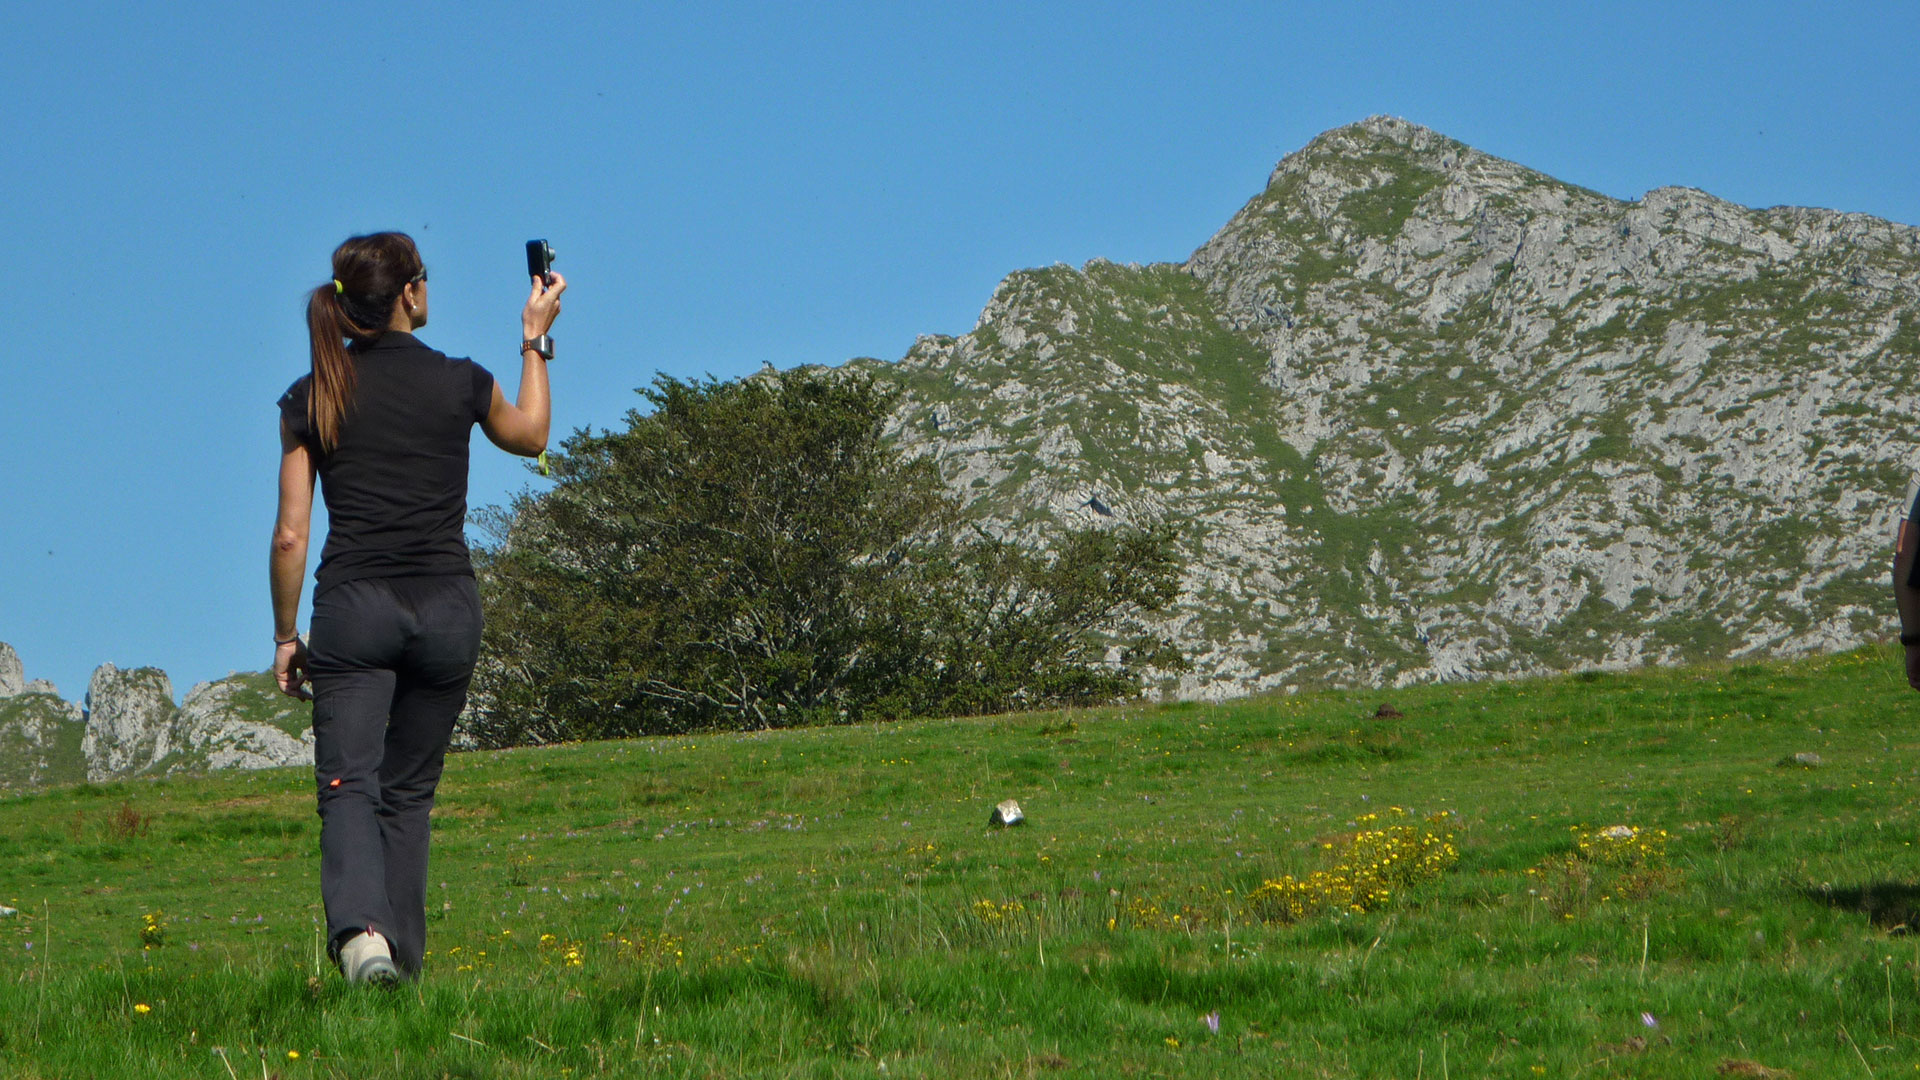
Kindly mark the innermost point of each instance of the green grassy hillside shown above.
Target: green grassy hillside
(829, 902)
(41, 740)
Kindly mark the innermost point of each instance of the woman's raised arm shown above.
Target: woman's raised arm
(521, 427)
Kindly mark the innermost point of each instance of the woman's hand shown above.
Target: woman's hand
(543, 306)
(290, 669)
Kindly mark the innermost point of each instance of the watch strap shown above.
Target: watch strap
(542, 345)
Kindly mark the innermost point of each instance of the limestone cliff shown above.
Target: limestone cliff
(128, 716)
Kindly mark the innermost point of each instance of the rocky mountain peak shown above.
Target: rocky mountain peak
(1425, 413)
(1376, 135)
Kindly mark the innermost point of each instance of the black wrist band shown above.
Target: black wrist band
(286, 641)
(1910, 639)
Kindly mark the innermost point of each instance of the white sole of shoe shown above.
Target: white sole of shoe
(375, 971)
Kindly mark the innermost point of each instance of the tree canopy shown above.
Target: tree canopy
(755, 553)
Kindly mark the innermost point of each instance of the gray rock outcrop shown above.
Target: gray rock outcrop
(129, 714)
(13, 677)
(240, 722)
(40, 734)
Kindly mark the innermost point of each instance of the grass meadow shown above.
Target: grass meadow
(829, 902)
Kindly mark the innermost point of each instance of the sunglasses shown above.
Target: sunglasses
(419, 278)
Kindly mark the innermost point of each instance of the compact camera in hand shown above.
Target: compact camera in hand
(540, 260)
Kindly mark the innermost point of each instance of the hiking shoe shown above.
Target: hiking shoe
(366, 958)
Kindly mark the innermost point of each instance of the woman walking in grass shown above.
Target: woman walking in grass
(384, 422)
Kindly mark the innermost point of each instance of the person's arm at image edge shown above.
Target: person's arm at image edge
(521, 427)
(1906, 544)
(287, 562)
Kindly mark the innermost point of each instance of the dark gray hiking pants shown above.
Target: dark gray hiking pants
(390, 661)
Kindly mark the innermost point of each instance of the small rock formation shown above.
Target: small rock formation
(1806, 759)
(128, 716)
(241, 722)
(13, 678)
(1006, 814)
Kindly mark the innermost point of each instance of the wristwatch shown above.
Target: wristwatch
(542, 345)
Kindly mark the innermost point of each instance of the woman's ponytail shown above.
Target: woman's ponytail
(368, 274)
(332, 387)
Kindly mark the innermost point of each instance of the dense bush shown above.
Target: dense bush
(754, 553)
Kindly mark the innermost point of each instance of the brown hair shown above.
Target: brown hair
(369, 271)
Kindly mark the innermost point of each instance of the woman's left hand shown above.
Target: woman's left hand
(290, 669)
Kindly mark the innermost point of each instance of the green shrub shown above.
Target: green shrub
(755, 554)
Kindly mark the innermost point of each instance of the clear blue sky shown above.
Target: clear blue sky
(726, 185)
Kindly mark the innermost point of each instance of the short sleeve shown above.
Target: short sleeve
(293, 408)
(482, 392)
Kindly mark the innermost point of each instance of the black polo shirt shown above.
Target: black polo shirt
(396, 486)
